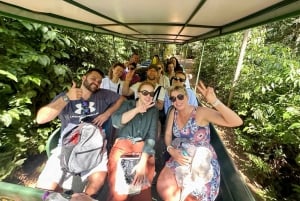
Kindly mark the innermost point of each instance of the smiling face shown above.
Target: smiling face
(178, 97)
(179, 79)
(118, 71)
(146, 90)
(92, 81)
(170, 67)
(152, 74)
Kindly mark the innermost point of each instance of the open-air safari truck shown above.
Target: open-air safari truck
(156, 21)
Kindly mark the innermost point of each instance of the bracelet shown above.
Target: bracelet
(216, 103)
(169, 147)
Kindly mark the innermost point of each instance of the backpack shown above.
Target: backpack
(82, 148)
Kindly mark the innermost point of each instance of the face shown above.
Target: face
(134, 58)
(179, 99)
(170, 67)
(131, 67)
(173, 60)
(92, 81)
(179, 80)
(160, 68)
(152, 74)
(146, 94)
(118, 71)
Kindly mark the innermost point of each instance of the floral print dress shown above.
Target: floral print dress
(192, 135)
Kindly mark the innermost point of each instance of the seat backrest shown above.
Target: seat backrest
(52, 141)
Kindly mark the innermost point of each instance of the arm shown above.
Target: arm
(129, 115)
(167, 103)
(100, 119)
(175, 153)
(169, 126)
(148, 149)
(50, 111)
(126, 91)
(53, 109)
(222, 116)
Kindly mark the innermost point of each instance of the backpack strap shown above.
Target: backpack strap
(156, 93)
(118, 90)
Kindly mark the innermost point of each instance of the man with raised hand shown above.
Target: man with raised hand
(88, 103)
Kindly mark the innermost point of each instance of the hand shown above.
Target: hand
(140, 177)
(100, 119)
(208, 92)
(143, 107)
(129, 75)
(74, 93)
(81, 197)
(180, 158)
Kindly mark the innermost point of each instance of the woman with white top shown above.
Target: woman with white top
(113, 81)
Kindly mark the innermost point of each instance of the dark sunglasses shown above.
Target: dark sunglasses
(85, 107)
(146, 93)
(179, 96)
(179, 79)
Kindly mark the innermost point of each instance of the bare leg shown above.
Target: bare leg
(167, 186)
(95, 182)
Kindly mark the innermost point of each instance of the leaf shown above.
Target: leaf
(14, 114)
(28, 25)
(6, 119)
(9, 75)
(22, 138)
(60, 70)
(44, 60)
(294, 126)
(41, 148)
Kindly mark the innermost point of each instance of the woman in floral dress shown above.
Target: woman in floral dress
(192, 172)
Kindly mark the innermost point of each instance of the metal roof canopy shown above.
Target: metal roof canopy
(162, 21)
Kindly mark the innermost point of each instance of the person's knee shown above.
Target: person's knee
(95, 182)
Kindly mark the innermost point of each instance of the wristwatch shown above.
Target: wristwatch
(65, 98)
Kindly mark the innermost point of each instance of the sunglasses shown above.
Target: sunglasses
(146, 93)
(179, 97)
(85, 107)
(179, 79)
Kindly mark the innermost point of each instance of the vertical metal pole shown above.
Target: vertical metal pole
(239, 65)
(114, 45)
(199, 68)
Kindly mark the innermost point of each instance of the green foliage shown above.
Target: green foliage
(28, 55)
(267, 98)
(36, 63)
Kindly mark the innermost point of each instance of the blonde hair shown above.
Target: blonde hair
(162, 67)
(181, 89)
(146, 83)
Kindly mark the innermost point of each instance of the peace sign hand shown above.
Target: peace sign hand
(143, 107)
(207, 92)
